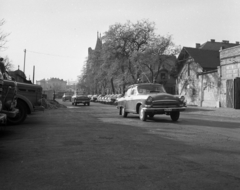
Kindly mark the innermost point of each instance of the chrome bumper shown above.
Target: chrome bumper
(164, 109)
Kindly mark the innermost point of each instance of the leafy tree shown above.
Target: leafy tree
(129, 51)
(121, 41)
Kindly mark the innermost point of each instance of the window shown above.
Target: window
(163, 76)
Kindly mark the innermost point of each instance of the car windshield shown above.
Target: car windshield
(80, 94)
(146, 89)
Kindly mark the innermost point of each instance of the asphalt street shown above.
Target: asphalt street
(92, 147)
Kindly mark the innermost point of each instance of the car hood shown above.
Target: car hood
(80, 96)
(163, 96)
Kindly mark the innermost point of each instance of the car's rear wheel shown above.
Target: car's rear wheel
(175, 115)
(142, 114)
(124, 113)
(75, 103)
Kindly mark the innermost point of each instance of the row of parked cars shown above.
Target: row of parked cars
(108, 98)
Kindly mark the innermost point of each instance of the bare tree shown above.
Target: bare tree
(3, 36)
(158, 53)
(8, 64)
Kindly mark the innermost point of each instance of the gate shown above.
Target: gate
(230, 93)
(237, 93)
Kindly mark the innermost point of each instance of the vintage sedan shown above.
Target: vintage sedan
(148, 99)
(80, 98)
(67, 96)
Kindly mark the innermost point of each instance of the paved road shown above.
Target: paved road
(92, 147)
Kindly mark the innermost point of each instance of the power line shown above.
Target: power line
(48, 54)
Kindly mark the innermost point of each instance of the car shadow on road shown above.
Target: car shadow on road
(202, 122)
(197, 109)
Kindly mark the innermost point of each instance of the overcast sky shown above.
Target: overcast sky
(58, 33)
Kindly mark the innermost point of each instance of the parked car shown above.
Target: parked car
(94, 98)
(67, 96)
(79, 97)
(148, 99)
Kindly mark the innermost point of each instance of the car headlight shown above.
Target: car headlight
(182, 98)
(149, 100)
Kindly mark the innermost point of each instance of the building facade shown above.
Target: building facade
(53, 84)
(199, 74)
(229, 71)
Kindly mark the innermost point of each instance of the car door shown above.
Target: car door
(133, 100)
(127, 99)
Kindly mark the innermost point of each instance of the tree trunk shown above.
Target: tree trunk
(113, 89)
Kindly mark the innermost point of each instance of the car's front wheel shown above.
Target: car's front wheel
(124, 113)
(142, 114)
(175, 115)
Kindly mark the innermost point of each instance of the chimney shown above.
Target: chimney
(237, 43)
(212, 40)
(198, 45)
(225, 41)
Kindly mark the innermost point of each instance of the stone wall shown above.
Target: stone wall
(229, 69)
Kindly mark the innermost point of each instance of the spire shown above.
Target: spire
(98, 46)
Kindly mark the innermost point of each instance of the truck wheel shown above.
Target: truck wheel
(21, 116)
(175, 115)
(142, 114)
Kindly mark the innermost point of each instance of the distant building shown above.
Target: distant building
(53, 84)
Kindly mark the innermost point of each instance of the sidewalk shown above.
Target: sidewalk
(221, 112)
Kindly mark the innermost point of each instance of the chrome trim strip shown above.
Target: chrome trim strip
(163, 109)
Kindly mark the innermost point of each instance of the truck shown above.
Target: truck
(3, 117)
(19, 99)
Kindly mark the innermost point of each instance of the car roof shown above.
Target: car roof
(140, 84)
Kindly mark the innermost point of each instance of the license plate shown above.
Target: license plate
(168, 109)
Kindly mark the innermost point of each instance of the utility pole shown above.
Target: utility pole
(33, 73)
(24, 60)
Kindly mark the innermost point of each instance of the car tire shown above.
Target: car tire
(142, 114)
(88, 103)
(124, 113)
(21, 116)
(120, 111)
(175, 115)
(75, 103)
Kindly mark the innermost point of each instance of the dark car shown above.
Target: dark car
(79, 97)
(148, 99)
(67, 96)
